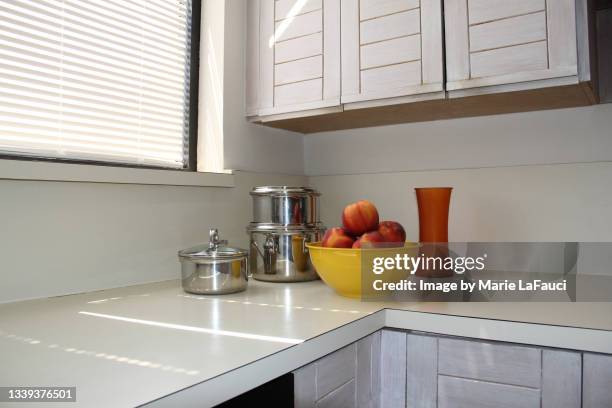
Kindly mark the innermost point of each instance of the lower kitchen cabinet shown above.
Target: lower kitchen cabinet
(349, 377)
(597, 371)
(394, 369)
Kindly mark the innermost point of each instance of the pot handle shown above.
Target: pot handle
(305, 240)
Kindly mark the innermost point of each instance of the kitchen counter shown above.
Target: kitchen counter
(156, 344)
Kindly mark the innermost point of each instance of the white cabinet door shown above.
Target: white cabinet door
(500, 42)
(391, 48)
(252, 58)
(299, 55)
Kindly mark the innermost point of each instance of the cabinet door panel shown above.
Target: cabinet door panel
(597, 381)
(252, 58)
(463, 393)
(393, 367)
(292, 8)
(561, 379)
(502, 363)
(298, 48)
(299, 92)
(335, 369)
(343, 397)
(299, 55)
(393, 76)
(395, 51)
(390, 49)
(388, 27)
(528, 57)
(499, 42)
(503, 33)
(489, 10)
(422, 371)
(376, 8)
(301, 25)
(561, 21)
(300, 70)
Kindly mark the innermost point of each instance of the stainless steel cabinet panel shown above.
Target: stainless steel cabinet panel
(503, 363)
(464, 393)
(597, 381)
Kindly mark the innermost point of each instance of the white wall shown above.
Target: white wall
(545, 137)
(510, 183)
(556, 203)
(58, 238)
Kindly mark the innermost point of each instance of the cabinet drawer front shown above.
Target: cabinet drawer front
(376, 8)
(389, 52)
(301, 25)
(300, 70)
(464, 393)
(284, 7)
(335, 370)
(298, 92)
(343, 397)
(519, 58)
(489, 10)
(393, 26)
(500, 363)
(298, 48)
(511, 31)
(391, 77)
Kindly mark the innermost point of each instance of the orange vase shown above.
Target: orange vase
(433, 203)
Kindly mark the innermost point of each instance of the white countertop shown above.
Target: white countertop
(155, 343)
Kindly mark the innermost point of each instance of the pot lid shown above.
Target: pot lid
(272, 227)
(283, 190)
(215, 249)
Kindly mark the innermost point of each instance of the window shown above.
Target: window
(99, 80)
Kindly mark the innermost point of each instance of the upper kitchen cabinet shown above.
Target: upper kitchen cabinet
(322, 65)
(518, 44)
(391, 49)
(294, 56)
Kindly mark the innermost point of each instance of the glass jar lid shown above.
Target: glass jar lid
(215, 249)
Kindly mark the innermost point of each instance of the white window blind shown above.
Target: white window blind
(102, 80)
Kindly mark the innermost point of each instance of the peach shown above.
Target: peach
(369, 239)
(360, 217)
(337, 238)
(392, 231)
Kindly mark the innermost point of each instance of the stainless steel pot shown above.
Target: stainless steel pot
(279, 254)
(215, 268)
(282, 205)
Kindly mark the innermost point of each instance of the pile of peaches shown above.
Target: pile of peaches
(361, 227)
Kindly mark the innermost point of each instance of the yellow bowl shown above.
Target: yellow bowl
(340, 268)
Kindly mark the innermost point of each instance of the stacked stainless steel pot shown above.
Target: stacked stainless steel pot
(284, 220)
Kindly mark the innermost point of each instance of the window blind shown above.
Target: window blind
(102, 80)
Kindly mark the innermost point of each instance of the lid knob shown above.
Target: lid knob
(214, 242)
